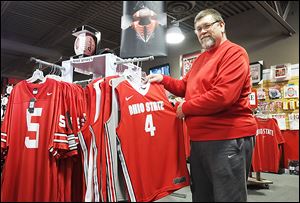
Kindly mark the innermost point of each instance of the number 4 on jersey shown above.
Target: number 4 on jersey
(149, 127)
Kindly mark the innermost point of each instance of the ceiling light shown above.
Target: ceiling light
(174, 34)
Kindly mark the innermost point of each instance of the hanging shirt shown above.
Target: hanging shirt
(266, 154)
(150, 142)
(31, 171)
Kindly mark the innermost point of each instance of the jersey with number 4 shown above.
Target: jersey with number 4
(150, 142)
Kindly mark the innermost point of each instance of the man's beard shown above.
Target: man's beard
(207, 42)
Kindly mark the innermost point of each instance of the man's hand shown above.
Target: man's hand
(155, 78)
(179, 113)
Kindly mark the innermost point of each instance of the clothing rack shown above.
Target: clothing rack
(83, 81)
(46, 63)
(133, 60)
(258, 180)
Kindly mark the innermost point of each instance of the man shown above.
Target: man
(217, 113)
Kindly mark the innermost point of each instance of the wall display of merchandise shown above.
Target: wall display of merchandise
(278, 97)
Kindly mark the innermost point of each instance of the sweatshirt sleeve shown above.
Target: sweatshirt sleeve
(175, 86)
(227, 88)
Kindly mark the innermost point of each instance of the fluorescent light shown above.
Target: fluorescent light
(174, 35)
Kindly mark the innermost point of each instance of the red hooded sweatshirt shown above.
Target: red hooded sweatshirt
(216, 92)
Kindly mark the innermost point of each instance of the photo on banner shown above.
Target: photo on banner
(143, 29)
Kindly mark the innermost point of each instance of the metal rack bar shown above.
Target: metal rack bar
(133, 60)
(82, 81)
(46, 63)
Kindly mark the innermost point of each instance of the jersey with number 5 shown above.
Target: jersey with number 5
(151, 145)
(30, 171)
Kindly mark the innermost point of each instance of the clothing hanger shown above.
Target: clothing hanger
(54, 73)
(55, 69)
(260, 114)
(55, 77)
(37, 76)
(51, 71)
(144, 78)
(132, 74)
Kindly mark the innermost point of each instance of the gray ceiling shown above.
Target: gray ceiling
(42, 29)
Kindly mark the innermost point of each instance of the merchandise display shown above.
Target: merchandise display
(84, 134)
(278, 99)
(103, 131)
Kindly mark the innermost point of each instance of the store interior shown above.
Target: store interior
(33, 31)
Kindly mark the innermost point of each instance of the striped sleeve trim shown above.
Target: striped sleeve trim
(60, 138)
(61, 134)
(3, 137)
(54, 152)
(72, 142)
(60, 141)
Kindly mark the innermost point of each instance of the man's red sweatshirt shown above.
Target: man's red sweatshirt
(216, 92)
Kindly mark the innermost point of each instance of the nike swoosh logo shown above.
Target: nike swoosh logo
(229, 156)
(127, 98)
(48, 94)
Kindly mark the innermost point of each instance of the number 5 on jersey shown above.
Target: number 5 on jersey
(149, 127)
(33, 127)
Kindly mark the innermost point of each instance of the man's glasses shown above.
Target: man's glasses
(205, 27)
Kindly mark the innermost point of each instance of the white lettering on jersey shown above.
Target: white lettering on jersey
(62, 121)
(264, 131)
(155, 106)
(136, 108)
(148, 107)
(149, 127)
(33, 127)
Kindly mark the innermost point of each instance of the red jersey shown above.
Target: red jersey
(266, 154)
(150, 143)
(30, 171)
(74, 175)
(115, 181)
(96, 128)
(87, 141)
(91, 141)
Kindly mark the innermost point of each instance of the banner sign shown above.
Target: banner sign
(143, 29)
